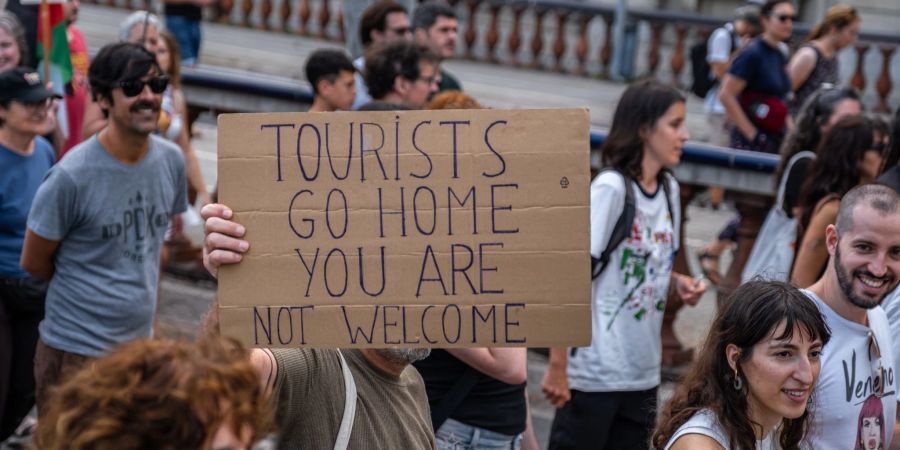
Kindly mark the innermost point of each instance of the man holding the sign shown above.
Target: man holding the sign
(307, 385)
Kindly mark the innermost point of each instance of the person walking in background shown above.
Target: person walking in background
(384, 20)
(815, 62)
(332, 78)
(183, 18)
(750, 386)
(845, 158)
(754, 92)
(613, 395)
(25, 158)
(159, 394)
(98, 221)
(434, 22)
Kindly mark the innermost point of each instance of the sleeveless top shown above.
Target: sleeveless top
(825, 71)
(170, 120)
(705, 423)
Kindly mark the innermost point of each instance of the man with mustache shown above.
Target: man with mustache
(859, 362)
(99, 218)
(308, 386)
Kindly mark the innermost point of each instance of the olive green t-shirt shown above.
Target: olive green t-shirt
(391, 412)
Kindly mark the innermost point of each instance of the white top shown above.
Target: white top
(705, 423)
(845, 385)
(629, 297)
(891, 306)
(362, 90)
(718, 50)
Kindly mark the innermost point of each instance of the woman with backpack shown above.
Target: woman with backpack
(846, 158)
(614, 382)
(815, 62)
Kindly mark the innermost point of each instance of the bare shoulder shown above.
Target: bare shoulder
(263, 362)
(695, 441)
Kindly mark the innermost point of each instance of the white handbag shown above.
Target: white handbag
(773, 251)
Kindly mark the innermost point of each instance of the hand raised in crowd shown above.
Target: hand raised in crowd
(223, 243)
(688, 289)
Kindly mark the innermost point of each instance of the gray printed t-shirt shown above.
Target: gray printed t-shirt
(110, 219)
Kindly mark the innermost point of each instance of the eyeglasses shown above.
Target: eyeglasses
(878, 372)
(431, 80)
(785, 17)
(132, 88)
(400, 31)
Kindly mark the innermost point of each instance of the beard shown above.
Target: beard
(404, 355)
(845, 282)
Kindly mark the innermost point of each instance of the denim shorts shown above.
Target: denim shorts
(455, 435)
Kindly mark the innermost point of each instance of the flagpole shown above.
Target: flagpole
(45, 37)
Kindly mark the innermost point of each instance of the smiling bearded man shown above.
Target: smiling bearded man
(98, 221)
(858, 366)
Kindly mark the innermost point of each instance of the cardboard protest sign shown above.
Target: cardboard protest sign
(415, 228)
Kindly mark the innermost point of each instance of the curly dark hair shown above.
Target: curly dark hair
(157, 394)
(385, 61)
(836, 167)
(752, 313)
(642, 104)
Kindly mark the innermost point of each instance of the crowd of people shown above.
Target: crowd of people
(802, 355)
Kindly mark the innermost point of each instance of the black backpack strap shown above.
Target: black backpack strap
(454, 397)
(667, 191)
(620, 229)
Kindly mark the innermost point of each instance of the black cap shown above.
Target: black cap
(24, 85)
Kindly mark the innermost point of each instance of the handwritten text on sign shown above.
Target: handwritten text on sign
(427, 228)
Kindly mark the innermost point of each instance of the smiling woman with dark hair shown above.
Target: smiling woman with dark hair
(750, 387)
(26, 114)
(614, 388)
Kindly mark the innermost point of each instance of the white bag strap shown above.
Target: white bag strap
(343, 437)
(782, 184)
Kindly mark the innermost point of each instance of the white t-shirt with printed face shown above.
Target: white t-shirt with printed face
(846, 407)
(629, 297)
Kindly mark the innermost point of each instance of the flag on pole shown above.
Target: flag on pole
(56, 42)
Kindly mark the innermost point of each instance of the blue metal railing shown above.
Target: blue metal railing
(236, 81)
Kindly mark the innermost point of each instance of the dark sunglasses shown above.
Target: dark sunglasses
(784, 18)
(132, 88)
